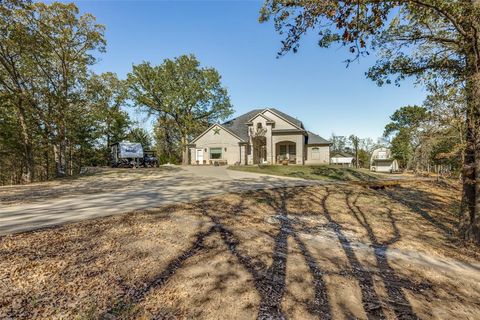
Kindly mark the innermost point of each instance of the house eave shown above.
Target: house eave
(319, 144)
(289, 131)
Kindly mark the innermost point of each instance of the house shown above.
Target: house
(342, 159)
(382, 161)
(261, 136)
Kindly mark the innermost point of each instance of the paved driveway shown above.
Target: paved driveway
(179, 184)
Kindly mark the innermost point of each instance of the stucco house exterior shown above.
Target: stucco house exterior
(342, 159)
(382, 161)
(261, 136)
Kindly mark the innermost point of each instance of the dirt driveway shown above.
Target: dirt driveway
(114, 191)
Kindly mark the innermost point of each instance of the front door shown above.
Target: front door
(199, 156)
(263, 154)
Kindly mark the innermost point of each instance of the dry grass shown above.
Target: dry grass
(315, 172)
(324, 251)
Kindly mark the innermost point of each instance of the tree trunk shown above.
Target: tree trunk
(184, 151)
(60, 156)
(470, 211)
(356, 153)
(70, 159)
(29, 173)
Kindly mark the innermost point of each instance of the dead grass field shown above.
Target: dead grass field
(333, 251)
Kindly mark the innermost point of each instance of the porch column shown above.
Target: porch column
(299, 148)
(269, 145)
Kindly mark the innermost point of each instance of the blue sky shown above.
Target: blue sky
(313, 85)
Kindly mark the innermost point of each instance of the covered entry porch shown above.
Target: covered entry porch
(286, 152)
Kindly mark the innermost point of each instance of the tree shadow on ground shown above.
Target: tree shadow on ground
(320, 305)
(393, 283)
(370, 300)
(269, 281)
(421, 202)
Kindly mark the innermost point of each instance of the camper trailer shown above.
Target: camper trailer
(126, 154)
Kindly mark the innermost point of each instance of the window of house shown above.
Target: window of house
(292, 149)
(259, 125)
(215, 153)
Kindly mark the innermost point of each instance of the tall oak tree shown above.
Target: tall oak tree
(431, 40)
(190, 96)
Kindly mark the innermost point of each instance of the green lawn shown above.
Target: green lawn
(320, 172)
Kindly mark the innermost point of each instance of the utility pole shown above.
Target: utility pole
(356, 152)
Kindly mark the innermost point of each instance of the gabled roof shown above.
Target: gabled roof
(313, 138)
(260, 114)
(293, 121)
(238, 125)
(221, 126)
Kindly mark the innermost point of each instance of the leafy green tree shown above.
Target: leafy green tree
(339, 143)
(107, 94)
(431, 40)
(363, 158)
(190, 96)
(45, 51)
(446, 151)
(403, 148)
(409, 117)
(140, 135)
(355, 143)
(167, 141)
(447, 107)
(365, 149)
(11, 146)
(17, 78)
(65, 46)
(433, 134)
(407, 124)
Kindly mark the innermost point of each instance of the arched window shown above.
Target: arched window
(259, 125)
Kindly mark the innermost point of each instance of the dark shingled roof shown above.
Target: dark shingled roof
(313, 138)
(238, 125)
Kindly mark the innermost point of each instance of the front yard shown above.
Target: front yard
(332, 251)
(319, 172)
